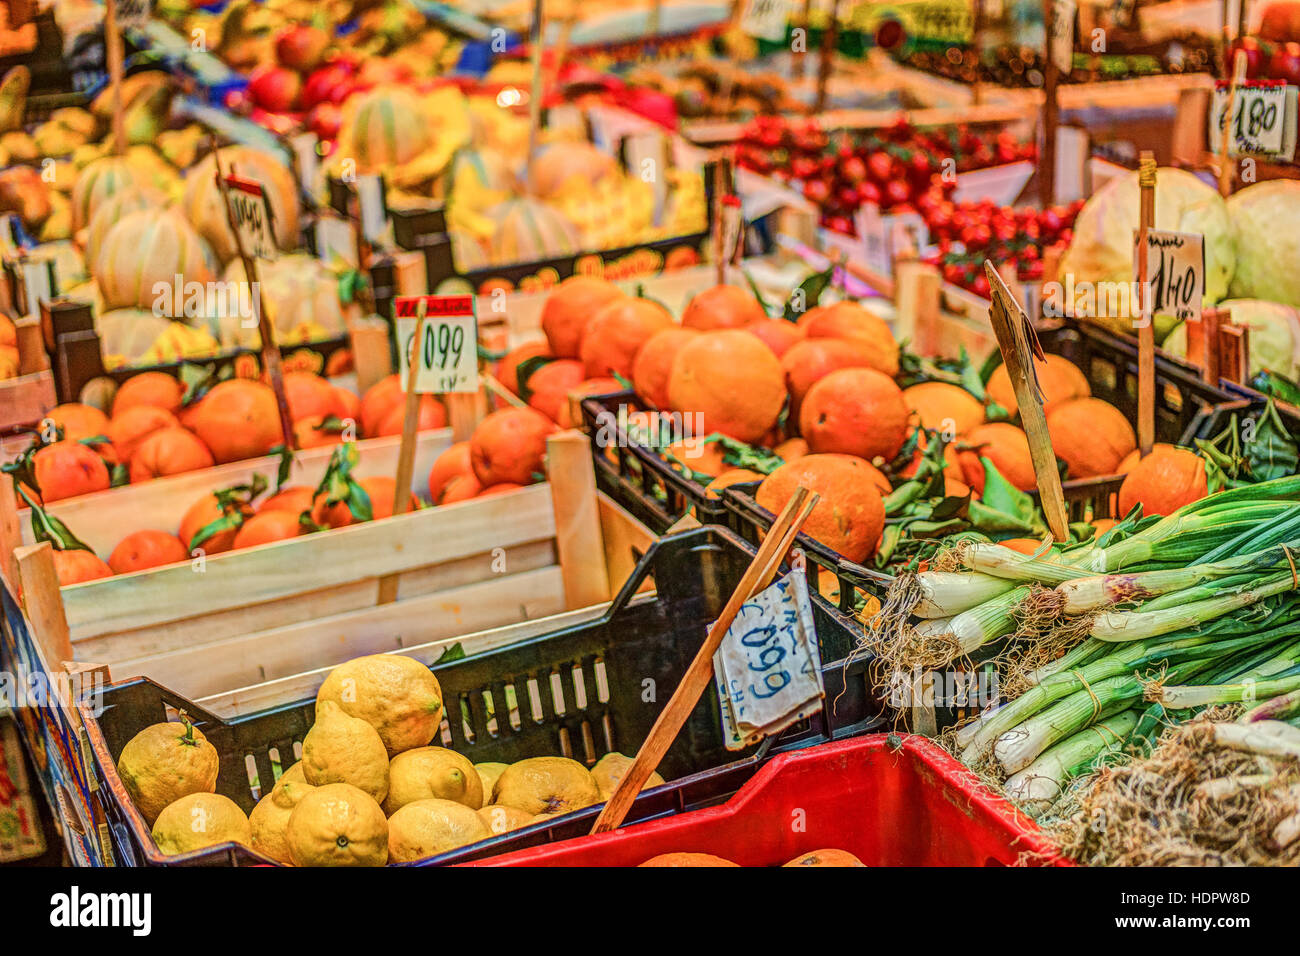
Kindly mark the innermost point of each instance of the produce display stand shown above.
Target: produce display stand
(638, 637)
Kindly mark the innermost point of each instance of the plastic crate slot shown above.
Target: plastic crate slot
(602, 680)
(588, 743)
(566, 742)
(557, 694)
(535, 701)
(466, 718)
(444, 731)
(170, 713)
(489, 707)
(254, 784)
(579, 689)
(277, 766)
(607, 728)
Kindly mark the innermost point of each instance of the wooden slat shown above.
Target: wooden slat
(626, 539)
(26, 399)
(269, 655)
(578, 536)
(40, 585)
(313, 562)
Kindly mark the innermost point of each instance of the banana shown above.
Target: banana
(13, 98)
(20, 146)
(59, 223)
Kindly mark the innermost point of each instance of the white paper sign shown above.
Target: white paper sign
(765, 19)
(1063, 34)
(374, 213)
(133, 14)
(768, 669)
(306, 159)
(448, 349)
(1175, 272)
(884, 238)
(39, 284)
(336, 240)
(1263, 119)
(251, 213)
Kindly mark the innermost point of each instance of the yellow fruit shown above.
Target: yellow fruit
(340, 748)
(489, 773)
(501, 819)
(546, 785)
(432, 773)
(165, 762)
(337, 825)
(198, 820)
(270, 817)
(609, 770)
(429, 827)
(396, 695)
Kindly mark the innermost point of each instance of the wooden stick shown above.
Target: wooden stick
(700, 672)
(1146, 423)
(11, 534)
(535, 100)
(1051, 114)
(719, 226)
(113, 51)
(494, 387)
(829, 39)
(43, 603)
(462, 414)
(1227, 171)
(579, 541)
(1018, 345)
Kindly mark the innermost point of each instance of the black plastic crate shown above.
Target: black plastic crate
(637, 639)
(637, 477)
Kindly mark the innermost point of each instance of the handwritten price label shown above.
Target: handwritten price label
(251, 213)
(1175, 273)
(1263, 120)
(133, 14)
(1063, 34)
(765, 19)
(768, 669)
(448, 349)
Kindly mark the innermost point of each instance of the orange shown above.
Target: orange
(295, 498)
(730, 379)
(507, 370)
(732, 476)
(1003, 444)
(1058, 377)
(569, 416)
(169, 451)
(779, 335)
(855, 411)
(722, 307)
(703, 457)
(149, 388)
(66, 469)
(550, 386)
(811, 360)
(1023, 545)
(451, 463)
(1092, 437)
(308, 433)
(432, 415)
(136, 423)
(1163, 482)
(460, 488)
(570, 308)
(201, 514)
(238, 419)
(510, 445)
(349, 403)
(687, 859)
(378, 402)
(944, 408)
(848, 320)
(501, 489)
(617, 332)
(8, 333)
(826, 858)
(1102, 525)
(266, 527)
(381, 490)
(850, 516)
(792, 449)
(1135, 456)
(310, 396)
(79, 421)
(654, 364)
(74, 567)
(141, 550)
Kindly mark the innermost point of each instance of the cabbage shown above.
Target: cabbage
(1265, 221)
(1274, 335)
(1102, 247)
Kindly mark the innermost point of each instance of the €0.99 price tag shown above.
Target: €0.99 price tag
(251, 213)
(1263, 119)
(447, 353)
(768, 668)
(1175, 273)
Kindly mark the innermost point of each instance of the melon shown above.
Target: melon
(1265, 221)
(487, 169)
(525, 230)
(562, 166)
(385, 128)
(125, 334)
(203, 206)
(99, 180)
(112, 209)
(149, 248)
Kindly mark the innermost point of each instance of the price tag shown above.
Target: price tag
(306, 159)
(335, 240)
(1175, 273)
(1263, 119)
(372, 202)
(765, 19)
(448, 350)
(1063, 34)
(251, 212)
(768, 668)
(39, 284)
(885, 238)
(647, 158)
(133, 14)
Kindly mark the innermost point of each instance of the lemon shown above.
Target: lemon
(609, 770)
(432, 773)
(343, 749)
(337, 825)
(271, 815)
(488, 774)
(429, 827)
(197, 820)
(552, 785)
(502, 819)
(396, 695)
(165, 762)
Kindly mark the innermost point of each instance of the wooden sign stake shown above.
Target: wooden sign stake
(1019, 345)
(113, 51)
(411, 416)
(679, 707)
(1227, 172)
(270, 351)
(1146, 423)
(579, 541)
(829, 39)
(1051, 114)
(537, 91)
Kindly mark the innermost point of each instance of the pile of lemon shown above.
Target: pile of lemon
(369, 789)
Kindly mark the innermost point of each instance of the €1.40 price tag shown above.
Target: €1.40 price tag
(768, 669)
(447, 352)
(1175, 273)
(1263, 119)
(251, 213)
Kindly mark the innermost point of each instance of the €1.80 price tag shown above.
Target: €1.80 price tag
(1263, 119)
(447, 352)
(251, 213)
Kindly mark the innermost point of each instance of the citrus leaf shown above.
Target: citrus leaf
(46, 527)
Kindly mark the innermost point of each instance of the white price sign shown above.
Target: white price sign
(448, 349)
(1063, 34)
(768, 669)
(884, 238)
(1263, 119)
(372, 205)
(251, 213)
(765, 19)
(133, 14)
(1175, 273)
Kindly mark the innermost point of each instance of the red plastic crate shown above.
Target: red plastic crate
(891, 801)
